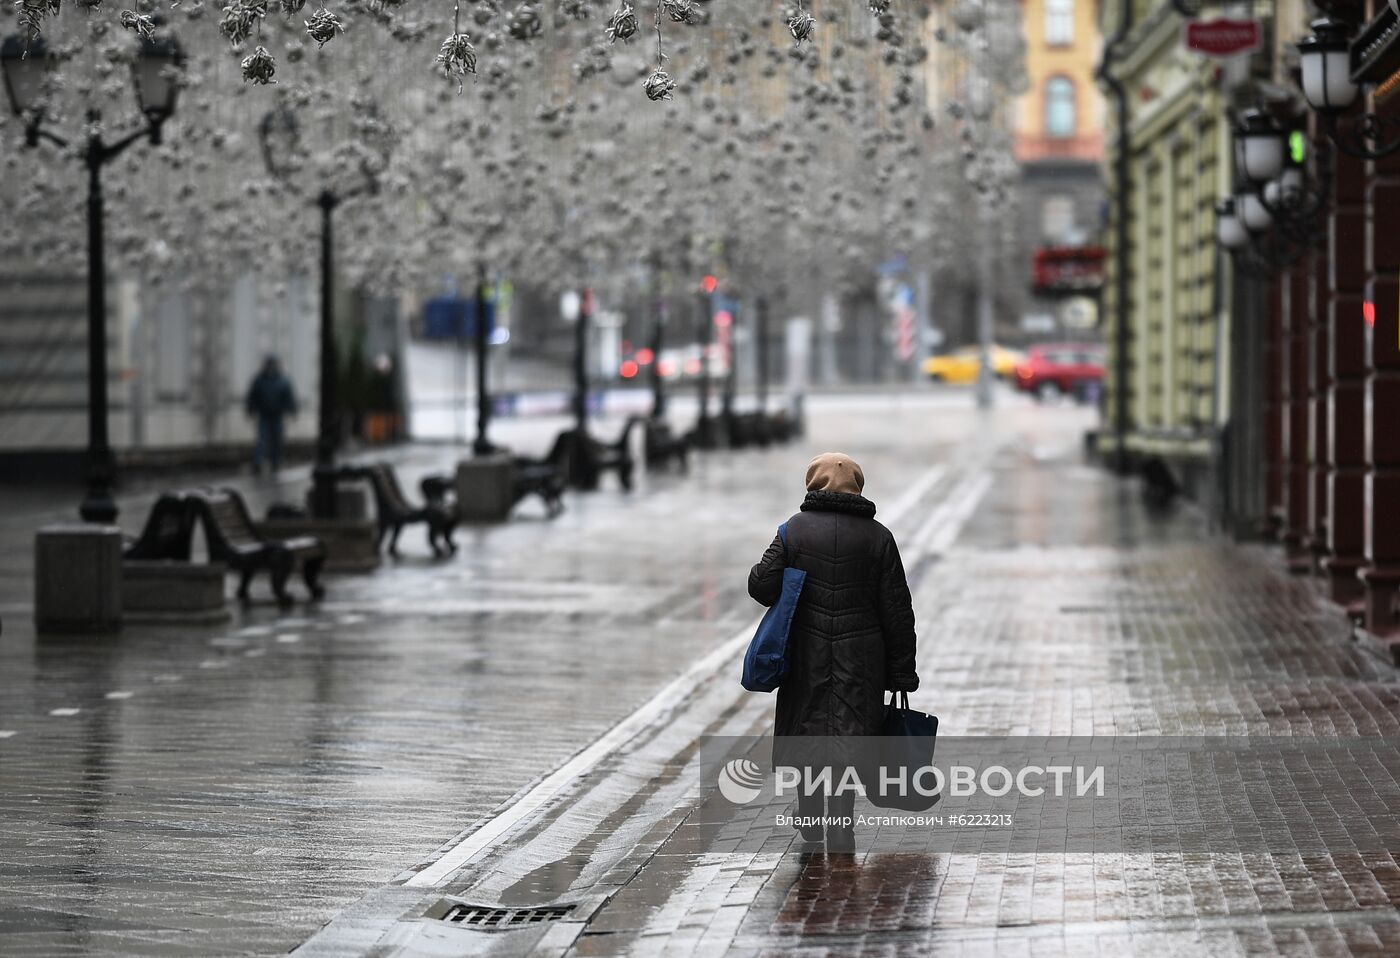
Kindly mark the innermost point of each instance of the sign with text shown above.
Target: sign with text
(1223, 37)
(1067, 269)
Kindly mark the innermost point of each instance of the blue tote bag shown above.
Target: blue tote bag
(765, 663)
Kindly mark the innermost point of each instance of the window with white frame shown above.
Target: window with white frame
(1059, 22)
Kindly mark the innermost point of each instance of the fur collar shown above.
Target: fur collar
(822, 501)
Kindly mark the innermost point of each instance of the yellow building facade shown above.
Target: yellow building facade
(1167, 387)
(1061, 113)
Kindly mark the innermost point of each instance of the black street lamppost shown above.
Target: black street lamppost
(282, 153)
(658, 339)
(27, 63)
(705, 328)
(761, 334)
(585, 314)
(482, 446)
(658, 343)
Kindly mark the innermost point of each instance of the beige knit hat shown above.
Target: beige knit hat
(835, 472)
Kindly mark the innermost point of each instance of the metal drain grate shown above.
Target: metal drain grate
(480, 916)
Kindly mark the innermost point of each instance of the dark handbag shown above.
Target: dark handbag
(765, 663)
(905, 745)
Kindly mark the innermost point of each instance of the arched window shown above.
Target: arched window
(1059, 22)
(1060, 121)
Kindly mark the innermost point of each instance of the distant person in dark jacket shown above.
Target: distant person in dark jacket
(852, 636)
(270, 400)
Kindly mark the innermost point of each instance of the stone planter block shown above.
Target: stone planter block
(485, 488)
(78, 578)
(173, 592)
(349, 542)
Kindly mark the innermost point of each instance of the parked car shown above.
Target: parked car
(962, 365)
(1057, 369)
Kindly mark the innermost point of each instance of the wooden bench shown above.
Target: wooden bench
(663, 445)
(748, 429)
(529, 476)
(617, 455)
(585, 462)
(168, 533)
(394, 511)
(543, 477)
(159, 580)
(233, 540)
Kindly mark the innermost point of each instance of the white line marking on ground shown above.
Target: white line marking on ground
(7, 733)
(494, 828)
(289, 638)
(64, 713)
(914, 493)
(120, 695)
(946, 523)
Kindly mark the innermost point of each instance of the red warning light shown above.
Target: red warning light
(645, 356)
(724, 319)
(709, 284)
(1368, 312)
(628, 369)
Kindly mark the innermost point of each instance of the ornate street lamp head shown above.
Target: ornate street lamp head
(1252, 212)
(27, 63)
(1262, 143)
(1229, 231)
(155, 74)
(1325, 61)
(1287, 189)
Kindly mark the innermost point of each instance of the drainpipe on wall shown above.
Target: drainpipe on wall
(1120, 243)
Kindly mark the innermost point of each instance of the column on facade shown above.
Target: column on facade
(1381, 575)
(1295, 415)
(1202, 281)
(1319, 381)
(1319, 444)
(1346, 389)
(1275, 365)
(1151, 281)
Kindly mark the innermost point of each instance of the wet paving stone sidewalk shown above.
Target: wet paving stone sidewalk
(1064, 608)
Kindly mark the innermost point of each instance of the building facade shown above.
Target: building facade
(1058, 125)
(1254, 319)
(1166, 329)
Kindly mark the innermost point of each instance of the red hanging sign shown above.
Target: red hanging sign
(1223, 37)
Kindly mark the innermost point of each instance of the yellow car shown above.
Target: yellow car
(961, 365)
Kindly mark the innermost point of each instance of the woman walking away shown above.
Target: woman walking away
(852, 637)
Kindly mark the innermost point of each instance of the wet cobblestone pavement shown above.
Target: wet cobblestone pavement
(231, 789)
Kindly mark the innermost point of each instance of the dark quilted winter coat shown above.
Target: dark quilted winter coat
(853, 634)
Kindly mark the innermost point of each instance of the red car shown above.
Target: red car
(1056, 369)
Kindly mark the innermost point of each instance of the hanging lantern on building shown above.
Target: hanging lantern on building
(1261, 144)
(1252, 212)
(1229, 231)
(1325, 58)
